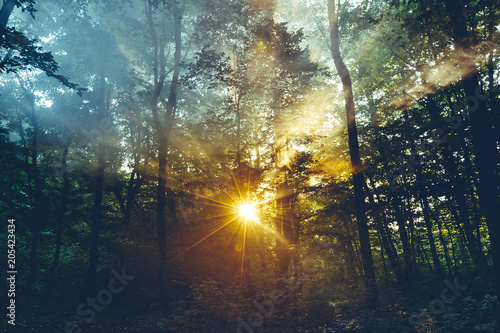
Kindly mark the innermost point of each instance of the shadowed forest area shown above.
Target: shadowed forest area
(250, 166)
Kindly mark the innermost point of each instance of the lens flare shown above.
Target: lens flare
(248, 212)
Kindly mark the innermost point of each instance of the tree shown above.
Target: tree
(484, 147)
(22, 52)
(164, 127)
(357, 167)
(28, 91)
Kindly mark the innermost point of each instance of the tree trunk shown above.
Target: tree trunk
(132, 190)
(8, 6)
(494, 106)
(484, 147)
(422, 190)
(444, 243)
(458, 191)
(160, 213)
(354, 267)
(163, 129)
(37, 196)
(126, 206)
(60, 218)
(382, 232)
(98, 193)
(382, 256)
(285, 236)
(430, 235)
(403, 236)
(357, 168)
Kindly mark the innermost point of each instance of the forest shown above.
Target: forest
(250, 166)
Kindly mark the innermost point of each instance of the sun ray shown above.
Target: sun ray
(214, 216)
(248, 182)
(233, 234)
(274, 232)
(244, 248)
(225, 205)
(201, 240)
(257, 238)
(236, 183)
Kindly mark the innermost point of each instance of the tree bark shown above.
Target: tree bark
(98, 193)
(37, 193)
(7, 8)
(357, 168)
(163, 129)
(430, 235)
(285, 228)
(382, 230)
(60, 218)
(443, 243)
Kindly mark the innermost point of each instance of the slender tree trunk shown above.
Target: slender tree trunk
(444, 243)
(37, 197)
(238, 134)
(283, 222)
(160, 213)
(164, 129)
(36, 192)
(246, 264)
(430, 235)
(381, 228)
(60, 218)
(412, 235)
(403, 236)
(132, 190)
(458, 192)
(172, 98)
(98, 193)
(25, 150)
(352, 263)
(494, 106)
(285, 239)
(159, 80)
(422, 190)
(357, 168)
(453, 249)
(382, 256)
(134, 184)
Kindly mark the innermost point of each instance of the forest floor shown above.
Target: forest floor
(136, 311)
(134, 322)
(136, 316)
(147, 320)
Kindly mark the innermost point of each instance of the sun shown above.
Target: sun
(248, 212)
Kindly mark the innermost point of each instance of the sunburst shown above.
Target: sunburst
(248, 212)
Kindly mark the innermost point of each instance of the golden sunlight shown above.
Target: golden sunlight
(248, 212)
